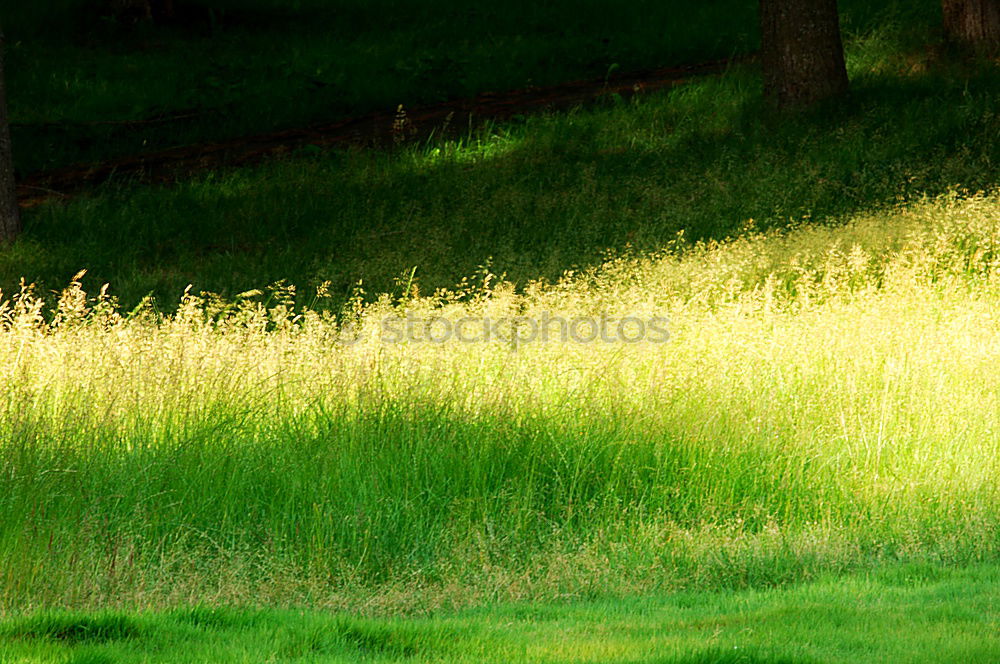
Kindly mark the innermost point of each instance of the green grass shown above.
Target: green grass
(825, 408)
(534, 198)
(826, 403)
(901, 614)
(252, 66)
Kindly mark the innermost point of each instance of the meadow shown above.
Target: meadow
(228, 451)
(826, 405)
(537, 196)
(826, 401)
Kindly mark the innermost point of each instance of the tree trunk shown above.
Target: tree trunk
(802, 54)
(10, 215)
(975, 24)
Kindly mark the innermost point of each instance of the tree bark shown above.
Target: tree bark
(802, 54)
(975, 24)
(10, 214)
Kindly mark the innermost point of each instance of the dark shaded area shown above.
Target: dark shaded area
(371, 638)
(89, 88)
(74, 629)
(378, 130)
(217, 618)
(86, 88)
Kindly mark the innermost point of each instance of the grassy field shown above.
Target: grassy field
(912, 614)
(232, 67)
(791, 436)
(537, 197)
(826, 402)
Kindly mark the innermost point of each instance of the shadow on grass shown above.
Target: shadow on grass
(84, 89)
(529, 199)
(74, 629)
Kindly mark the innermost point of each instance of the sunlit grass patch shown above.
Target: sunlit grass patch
(825, 402)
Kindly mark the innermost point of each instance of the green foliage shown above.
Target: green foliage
(73, 629)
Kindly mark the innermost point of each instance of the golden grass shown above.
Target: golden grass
(828, 399)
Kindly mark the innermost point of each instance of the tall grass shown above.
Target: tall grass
(827, 401)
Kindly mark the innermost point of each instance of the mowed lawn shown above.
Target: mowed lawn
(916, 614)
